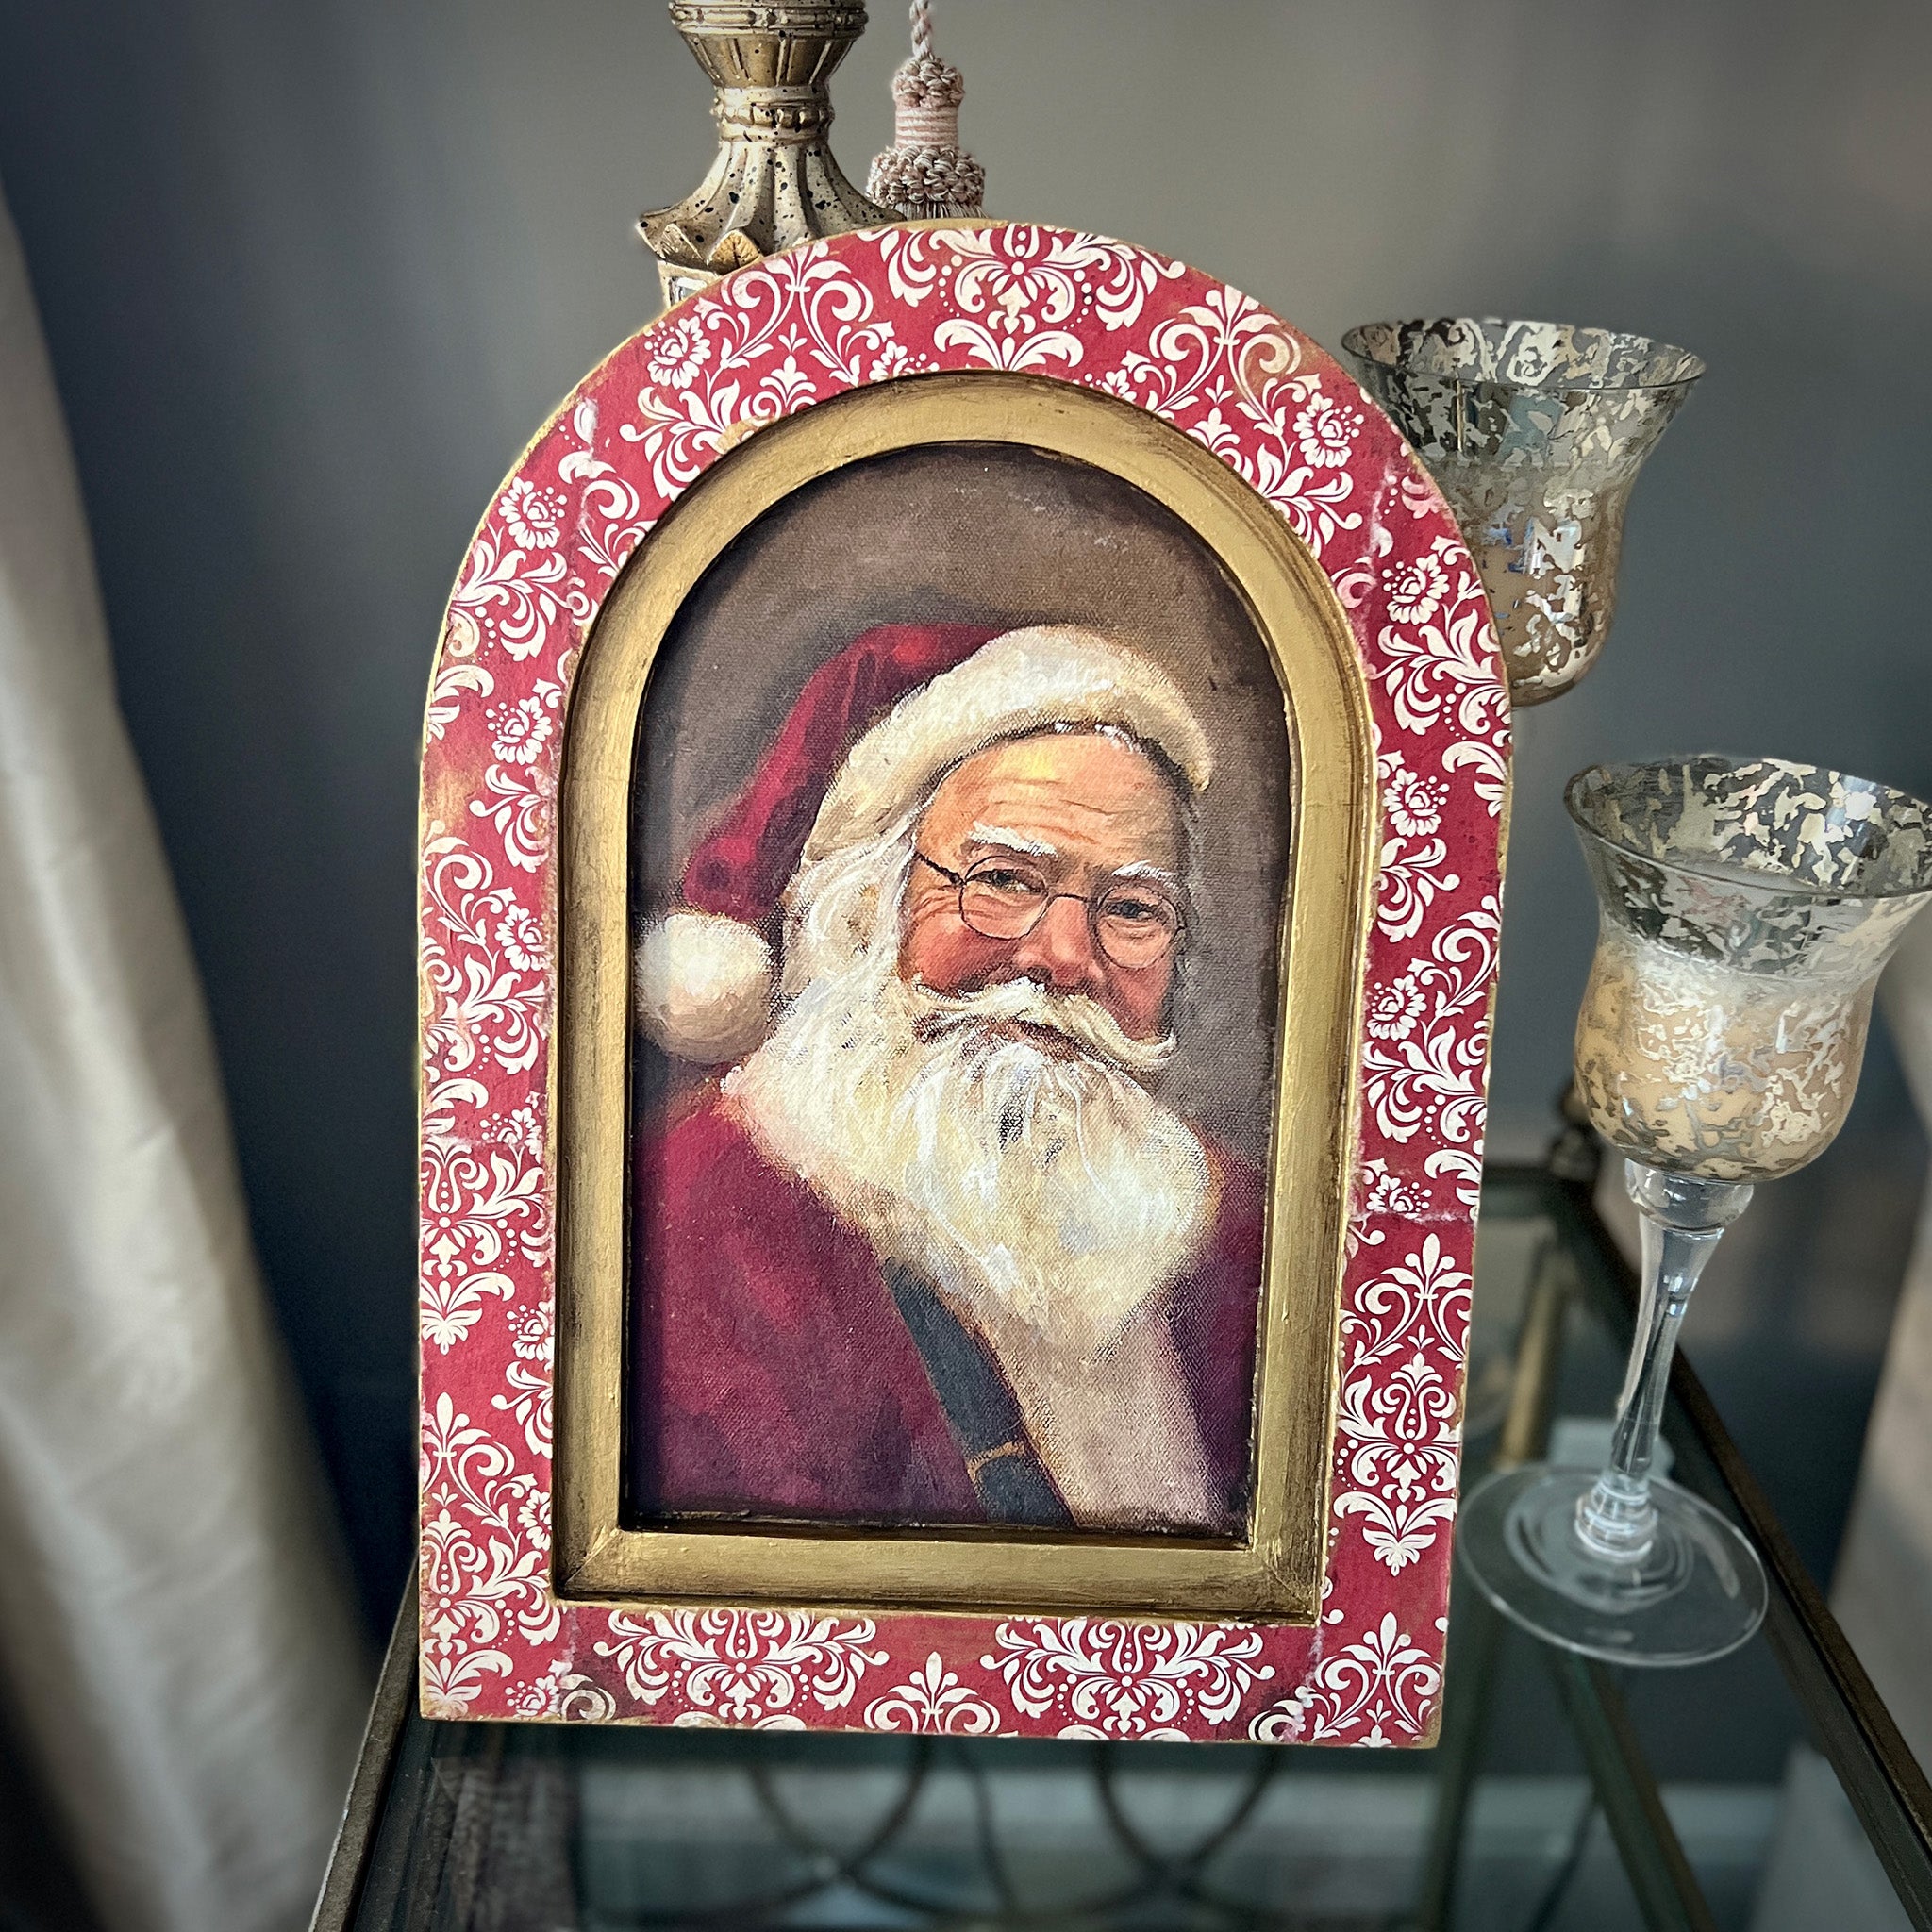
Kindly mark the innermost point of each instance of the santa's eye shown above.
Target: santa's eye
(1010, 881)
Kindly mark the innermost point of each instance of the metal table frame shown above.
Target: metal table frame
(1852, 1728)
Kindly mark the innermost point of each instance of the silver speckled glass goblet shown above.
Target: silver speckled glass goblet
(1534, 431)
(1747, 908)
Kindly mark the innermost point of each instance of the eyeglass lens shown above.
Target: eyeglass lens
(1135, 923)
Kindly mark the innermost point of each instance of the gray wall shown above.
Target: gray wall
(313, 272)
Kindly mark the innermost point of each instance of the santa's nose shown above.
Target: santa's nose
(1059, 951)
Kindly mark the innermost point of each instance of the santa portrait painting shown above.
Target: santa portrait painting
(927, 1237)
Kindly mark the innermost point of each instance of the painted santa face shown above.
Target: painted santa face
(1080, 811)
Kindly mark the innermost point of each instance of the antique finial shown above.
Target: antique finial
(774, 182)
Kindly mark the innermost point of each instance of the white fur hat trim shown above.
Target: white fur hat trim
(703, 986)
(1027, 680)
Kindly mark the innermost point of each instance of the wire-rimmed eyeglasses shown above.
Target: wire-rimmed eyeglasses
(1136, 921)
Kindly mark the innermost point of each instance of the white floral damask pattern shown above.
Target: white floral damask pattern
(561, 1693)
(766, 342)
(1112, 1679)
(1380, 1689)
(483, 1202)
(1398, 1424)
(756, 1669)
(1415, 857)
(1425, 1060)
(933, 1700)
(485, 1570)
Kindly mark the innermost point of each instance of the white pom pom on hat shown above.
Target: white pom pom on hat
(873, 731)
(703, 986)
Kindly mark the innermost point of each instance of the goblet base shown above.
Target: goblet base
(1695, 1594)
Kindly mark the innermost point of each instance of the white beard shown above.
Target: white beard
(1001, 1169)
(1030, 1177)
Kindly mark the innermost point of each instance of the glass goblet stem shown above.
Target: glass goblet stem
(1683, 1217)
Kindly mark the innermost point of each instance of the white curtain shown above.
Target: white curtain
(1882, 1590)
(1822, 1870)
(176, 1640)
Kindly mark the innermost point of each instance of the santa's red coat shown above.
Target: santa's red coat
(772, 1375)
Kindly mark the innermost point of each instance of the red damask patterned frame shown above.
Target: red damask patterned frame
(764, 343)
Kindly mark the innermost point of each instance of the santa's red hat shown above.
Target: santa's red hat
(873, 731)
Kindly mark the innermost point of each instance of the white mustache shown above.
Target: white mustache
(1072, 1015)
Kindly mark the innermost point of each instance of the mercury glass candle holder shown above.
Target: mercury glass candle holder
(1746, 908)
(1535, 432)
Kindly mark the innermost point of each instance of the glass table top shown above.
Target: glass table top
(1767, 1793)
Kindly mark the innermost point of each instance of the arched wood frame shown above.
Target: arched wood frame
(1328, 1628)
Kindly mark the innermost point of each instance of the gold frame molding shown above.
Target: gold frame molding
(1276, 1574)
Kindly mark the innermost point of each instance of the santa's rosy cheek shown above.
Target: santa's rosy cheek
(940, 951)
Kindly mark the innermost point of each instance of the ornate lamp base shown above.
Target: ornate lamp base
(773, 183)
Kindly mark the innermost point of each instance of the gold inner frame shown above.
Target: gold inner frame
(1276, 1574)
